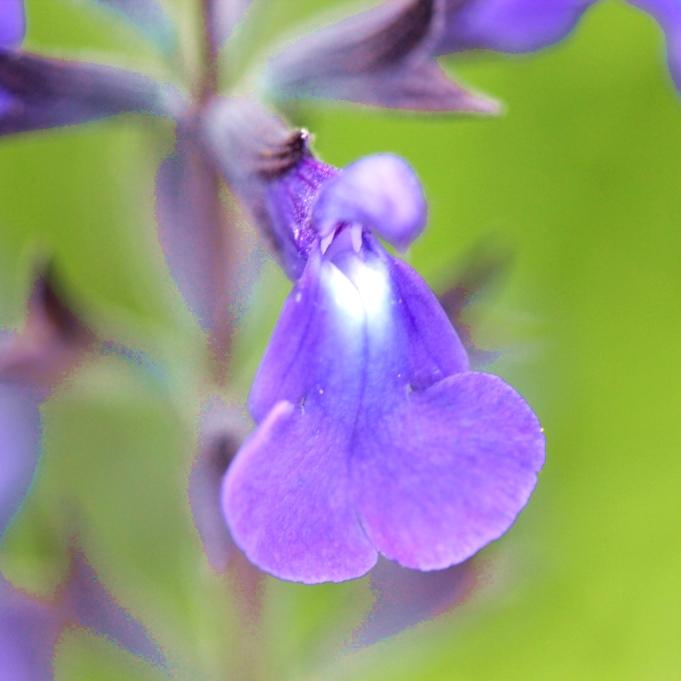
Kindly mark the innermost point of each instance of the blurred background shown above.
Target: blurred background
(578, 181)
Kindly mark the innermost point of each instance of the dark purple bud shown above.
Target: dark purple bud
(146, 15)
(507, 25)
(29, 631)
(269, 166)
(381, 57)
(12, 23)
(668, 14)
(53, 341)
(222, 431)
(20, 431)
(39, 92)
(405, 598)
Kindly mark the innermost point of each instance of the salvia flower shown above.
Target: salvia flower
(374, 436)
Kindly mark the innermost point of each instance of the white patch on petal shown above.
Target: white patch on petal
(373, 286)
(344, 293)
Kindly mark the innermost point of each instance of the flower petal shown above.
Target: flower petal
(146, 15)
(381, 57)
(316, 351)
(287, 499)
(381, 192)
(668, 14)
(447, 471)
(19, 447)
(43, 93)
(12, 23)
(356, 329)
(508, 25)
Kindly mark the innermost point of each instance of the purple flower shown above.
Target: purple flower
(19, 447)
(668, 14)
(373, 435)
(507, 25)
(30, 628)
(12, 23)
(33, 362)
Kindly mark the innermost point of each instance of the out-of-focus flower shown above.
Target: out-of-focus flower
(30, 628)
(19, 447)
(33, 362)
(222, 430)
(667, 13)
(405, 598)
(507, 25)
(12, 23)
(373, 434)
(383, 57)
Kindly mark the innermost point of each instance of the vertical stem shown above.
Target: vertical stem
(243, 580)
(209, 58)
(223, 257)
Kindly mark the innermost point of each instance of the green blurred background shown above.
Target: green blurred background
(579, 180)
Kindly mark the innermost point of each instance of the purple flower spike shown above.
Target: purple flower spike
(38, 92)
(374, 436)
(508, 25)
(668, 14)
(20, 433)
(12, 23)
(381, 57)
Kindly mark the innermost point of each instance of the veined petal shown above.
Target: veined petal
(288, 502)
(146, 15)
(381, 192)
(12, 22)
(508, 25)
(381, 57)
(40, 92)
(447, 471)
(668, 14)
(20, 431)
(362, 328)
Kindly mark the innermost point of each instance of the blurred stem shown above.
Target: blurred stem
(246, 585)
(220, 335)
(210, 48)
